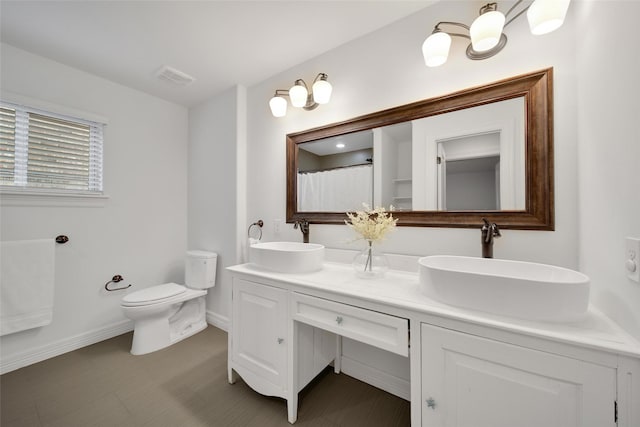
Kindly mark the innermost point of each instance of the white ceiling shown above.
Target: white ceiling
(219, 43)
(357, 141)
(352, 141)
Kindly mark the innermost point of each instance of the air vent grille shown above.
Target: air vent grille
(174, 76)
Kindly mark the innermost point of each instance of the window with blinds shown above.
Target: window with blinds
(49, 151)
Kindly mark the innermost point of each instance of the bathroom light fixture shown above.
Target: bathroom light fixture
(486, 31)
(301, 97)
(340, 145)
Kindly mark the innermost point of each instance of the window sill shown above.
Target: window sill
(43, 198)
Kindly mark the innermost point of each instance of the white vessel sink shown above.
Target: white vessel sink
(287, 257)
(510, 288)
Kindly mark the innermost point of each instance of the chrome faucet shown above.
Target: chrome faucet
(489, 231)
(304, 228)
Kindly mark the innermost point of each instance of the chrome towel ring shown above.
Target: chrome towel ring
(259, 223)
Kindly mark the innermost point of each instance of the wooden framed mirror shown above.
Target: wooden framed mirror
(498, 140)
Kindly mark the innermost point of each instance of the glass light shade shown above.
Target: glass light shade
(278, 106)
(435, 49)
(322, 91)
(298, 95)
(545, 16)
(486, 30)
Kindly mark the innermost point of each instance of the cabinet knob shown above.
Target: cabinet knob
(339, 320)
(431, 403)
(280, 340)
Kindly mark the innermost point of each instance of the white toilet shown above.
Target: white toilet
(166, 314)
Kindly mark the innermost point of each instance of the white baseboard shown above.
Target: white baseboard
(38, 354)
(217, 320)
(365, 373)
(19, 360)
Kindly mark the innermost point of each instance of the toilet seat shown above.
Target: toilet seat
(153, 295)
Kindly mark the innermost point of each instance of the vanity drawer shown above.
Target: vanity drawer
(384, 331)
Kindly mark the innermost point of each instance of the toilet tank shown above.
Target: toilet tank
(200, 269)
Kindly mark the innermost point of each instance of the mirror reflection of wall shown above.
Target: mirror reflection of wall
(336, 174)
(469, 172)
(469, 168)
(482, 166)
(473, 184)
(392, 177)
(460, 144)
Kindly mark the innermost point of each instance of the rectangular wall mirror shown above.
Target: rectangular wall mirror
(485, 152)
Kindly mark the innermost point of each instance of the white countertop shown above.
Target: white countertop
(400, 289)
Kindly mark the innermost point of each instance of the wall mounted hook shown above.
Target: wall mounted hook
(62, 239)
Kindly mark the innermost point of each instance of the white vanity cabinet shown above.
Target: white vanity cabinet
(263, 343)
(469, 380)
(466, 368)
(258, 339)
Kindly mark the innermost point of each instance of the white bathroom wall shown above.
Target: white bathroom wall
(386, 69)
(216, 177)
(385, 167)
(471, 189)
(609, 153)
(140, 232)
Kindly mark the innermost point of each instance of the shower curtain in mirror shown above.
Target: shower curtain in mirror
(336, 190)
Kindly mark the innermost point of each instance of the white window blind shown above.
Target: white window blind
(45, 150)
(7, 145)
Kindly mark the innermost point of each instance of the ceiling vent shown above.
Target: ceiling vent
(174, 76)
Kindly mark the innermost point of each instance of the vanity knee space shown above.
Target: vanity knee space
(280, 339)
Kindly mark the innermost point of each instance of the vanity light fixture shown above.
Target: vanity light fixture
(301, 97)
(486, 31)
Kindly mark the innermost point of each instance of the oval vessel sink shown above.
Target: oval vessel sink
(287, 257)
(511, 288)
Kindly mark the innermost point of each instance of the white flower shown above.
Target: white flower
(372, 224)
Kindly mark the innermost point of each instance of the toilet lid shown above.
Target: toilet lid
(154, 293)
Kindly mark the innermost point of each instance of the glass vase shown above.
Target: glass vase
(370, 263)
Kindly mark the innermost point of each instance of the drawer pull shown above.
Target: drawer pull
(280, 340)
(339, 320)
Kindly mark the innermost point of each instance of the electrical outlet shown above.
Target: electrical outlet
(277, 226)
(632, 259)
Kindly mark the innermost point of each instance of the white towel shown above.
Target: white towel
(27, 275)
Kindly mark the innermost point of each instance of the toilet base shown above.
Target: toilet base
(157, 332)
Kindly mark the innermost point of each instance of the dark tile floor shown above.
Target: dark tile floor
(183, 385)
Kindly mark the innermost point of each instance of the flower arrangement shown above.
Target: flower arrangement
(372, 224)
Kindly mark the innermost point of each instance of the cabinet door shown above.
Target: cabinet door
(259, 329)
(473, 381)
